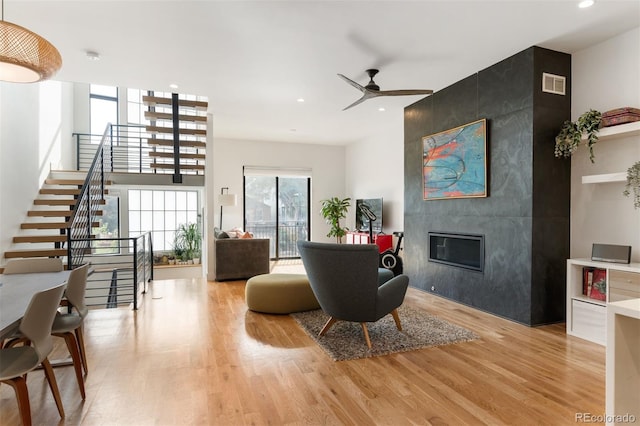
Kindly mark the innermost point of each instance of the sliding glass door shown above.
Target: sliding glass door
(277, 207)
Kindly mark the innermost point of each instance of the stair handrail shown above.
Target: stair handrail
(79, 225)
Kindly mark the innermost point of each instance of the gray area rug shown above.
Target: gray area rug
(345, 340)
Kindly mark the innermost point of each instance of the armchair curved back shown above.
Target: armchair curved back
(344, 278)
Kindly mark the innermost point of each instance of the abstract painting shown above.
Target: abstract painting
(454, 162)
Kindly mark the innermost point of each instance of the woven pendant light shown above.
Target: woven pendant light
(25, 57)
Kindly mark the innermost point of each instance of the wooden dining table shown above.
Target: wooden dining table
(16, 291)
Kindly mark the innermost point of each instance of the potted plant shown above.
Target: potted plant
(188, 238)
(633, 184)
(332, 211)
(568, 140)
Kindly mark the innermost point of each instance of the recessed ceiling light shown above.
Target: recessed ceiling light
(301, 100)
(586, 3)
(381, 109)
(173, 86)
(92, 56)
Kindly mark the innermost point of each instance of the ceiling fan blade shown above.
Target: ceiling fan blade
(353, 83)
(367, 95)
(404, 92)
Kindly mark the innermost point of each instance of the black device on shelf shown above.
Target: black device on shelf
(373, 206)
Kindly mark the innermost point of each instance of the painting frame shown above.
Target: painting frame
(454, 163)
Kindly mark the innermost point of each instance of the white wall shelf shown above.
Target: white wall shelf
(619, 131)
(605, 178)
(608, 133)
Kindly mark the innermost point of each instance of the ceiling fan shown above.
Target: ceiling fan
(372, 90)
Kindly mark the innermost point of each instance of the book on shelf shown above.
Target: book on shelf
(594, 283)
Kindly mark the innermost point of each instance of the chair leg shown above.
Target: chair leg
(19, 385)
(83, 354)
(366, 333)
(72, 346)
(327, 326)
(396, 318)
(53, 384)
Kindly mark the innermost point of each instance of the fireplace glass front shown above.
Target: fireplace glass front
(460, 250)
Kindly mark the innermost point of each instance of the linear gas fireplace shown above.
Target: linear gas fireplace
(460, 250)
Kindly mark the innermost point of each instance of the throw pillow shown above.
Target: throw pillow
(247, 235)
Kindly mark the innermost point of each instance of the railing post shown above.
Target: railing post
(111, 140)
(135, 274)
(77, 151)
(177, 176)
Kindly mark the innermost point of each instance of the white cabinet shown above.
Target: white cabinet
(586, 316)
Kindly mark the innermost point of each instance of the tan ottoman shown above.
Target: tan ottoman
(280, 294)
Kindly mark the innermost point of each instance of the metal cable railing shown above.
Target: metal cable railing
(85, 212)
(119, 267)
(134, 150)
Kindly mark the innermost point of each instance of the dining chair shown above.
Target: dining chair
(36, 264)
(16, 362)
(69, 326)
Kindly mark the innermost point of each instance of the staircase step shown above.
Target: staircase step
(51, 225)
(44, 225)
(167, 116)
(54, 202)
(157, 100)
(58, 202)
(182, 166)
(35, 253)
(170, 155)
(40, 239)
(59, 191)
(182, 131)
(169, 142)
(76, 182)
(55, 213)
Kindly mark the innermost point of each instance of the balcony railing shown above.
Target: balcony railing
(129, 151)
(283, 236)
(120, 267)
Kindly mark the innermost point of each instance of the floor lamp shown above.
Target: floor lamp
(226, 200)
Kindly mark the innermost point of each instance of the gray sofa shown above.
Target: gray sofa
(239, 258)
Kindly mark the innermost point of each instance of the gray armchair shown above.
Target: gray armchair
(344, 278)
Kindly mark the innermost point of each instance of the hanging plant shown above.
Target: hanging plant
(633, 184)
(571, 133)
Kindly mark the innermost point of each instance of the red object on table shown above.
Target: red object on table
(384, 242)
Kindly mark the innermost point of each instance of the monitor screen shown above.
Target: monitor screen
(373, 205)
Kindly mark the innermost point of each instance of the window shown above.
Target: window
(277, 207)
(103, 104)
(109, 227)
(161, 212)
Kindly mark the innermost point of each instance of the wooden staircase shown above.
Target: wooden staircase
(190, 118)
(44, 232)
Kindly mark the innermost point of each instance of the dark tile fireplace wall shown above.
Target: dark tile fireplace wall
(525, 218)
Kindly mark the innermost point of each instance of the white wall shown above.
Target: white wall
(34, 119)
(326, 162)
(375, 168)
(605, 76)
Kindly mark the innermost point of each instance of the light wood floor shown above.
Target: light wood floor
(193, 355)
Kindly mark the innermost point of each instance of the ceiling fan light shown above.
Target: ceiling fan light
(26, 57)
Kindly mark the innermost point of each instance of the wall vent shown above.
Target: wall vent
(555, 84)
